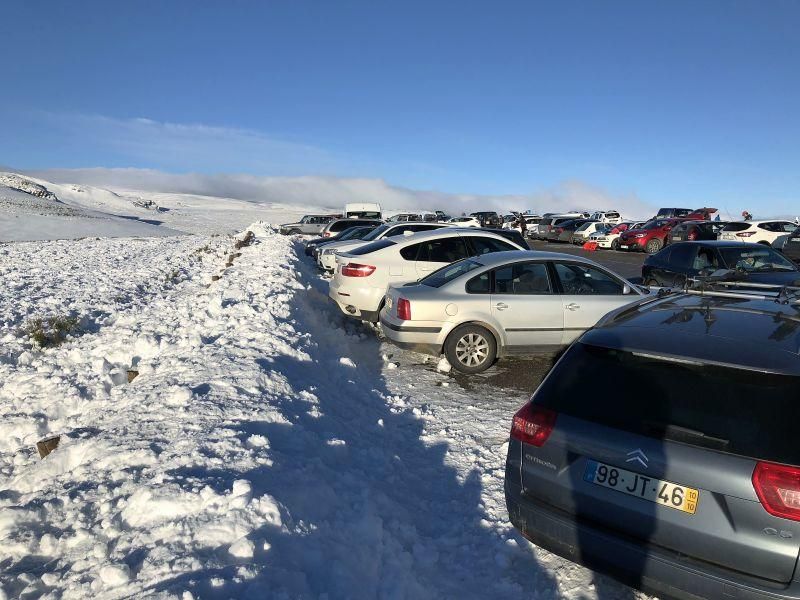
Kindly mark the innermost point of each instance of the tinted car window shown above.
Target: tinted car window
(410, 252)
(727, 416)
(586, 280)
(522, 279)
(446, 274)
(372, 247)
(480, 284)
(347, 223)
(736, 226)
(682, 255)
(679, 229)
(444, 250)
(485, 245)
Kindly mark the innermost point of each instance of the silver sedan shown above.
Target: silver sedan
(478, 309)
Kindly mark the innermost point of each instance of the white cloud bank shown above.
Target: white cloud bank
(334, 192)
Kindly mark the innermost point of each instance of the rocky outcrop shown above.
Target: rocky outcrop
(21, 184)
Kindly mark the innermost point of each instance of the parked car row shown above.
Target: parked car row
(682, 484)
(473, 294)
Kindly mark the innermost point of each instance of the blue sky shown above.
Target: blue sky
(674, 102)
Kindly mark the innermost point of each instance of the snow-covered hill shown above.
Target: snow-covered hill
(34, 209)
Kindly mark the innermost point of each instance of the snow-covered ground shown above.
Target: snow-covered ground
(354, 478)
(268, 447)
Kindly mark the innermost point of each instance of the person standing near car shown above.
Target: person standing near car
(747, 216)
(523, 225)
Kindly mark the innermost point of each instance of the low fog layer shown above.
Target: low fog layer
(334, 192)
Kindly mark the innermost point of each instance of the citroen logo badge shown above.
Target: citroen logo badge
(637, 455)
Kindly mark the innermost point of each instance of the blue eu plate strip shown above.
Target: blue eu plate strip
(591, 471)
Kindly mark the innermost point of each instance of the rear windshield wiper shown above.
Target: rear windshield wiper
(676, 433)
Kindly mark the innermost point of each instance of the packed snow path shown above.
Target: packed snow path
(267, 447)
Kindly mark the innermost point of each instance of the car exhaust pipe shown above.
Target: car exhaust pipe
(351, 309)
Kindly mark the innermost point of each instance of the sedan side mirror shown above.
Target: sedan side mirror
(626, 289)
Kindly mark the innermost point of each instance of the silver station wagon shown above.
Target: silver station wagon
(478, 309)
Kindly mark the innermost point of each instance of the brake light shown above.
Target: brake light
(403, 309)
(533, 424)
(778, 489)
(326, 234)
(357, 270)
(745, 234)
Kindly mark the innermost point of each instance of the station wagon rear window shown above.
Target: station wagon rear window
(731, 410)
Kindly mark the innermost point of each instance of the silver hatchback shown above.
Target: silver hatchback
(482, 308)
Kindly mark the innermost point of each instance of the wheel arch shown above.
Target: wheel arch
(499, 340)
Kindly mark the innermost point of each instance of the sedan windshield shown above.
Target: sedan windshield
(755, 259)
(450, 272)
(353, 233)
(372, 235)
(654, 224)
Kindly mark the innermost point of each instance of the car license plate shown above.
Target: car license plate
(676, 238)
(727, 236)
(661, 492)
(796, 239)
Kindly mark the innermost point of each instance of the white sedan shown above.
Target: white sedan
(327, 257)
(486, 307)
(359, 284)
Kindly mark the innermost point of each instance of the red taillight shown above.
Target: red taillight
(357, 270)
(745, 234)
(692, 235)
(533, 424)
(403, 309)
(778, 489)
(326, 234)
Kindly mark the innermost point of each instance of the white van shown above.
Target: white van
(362, 210)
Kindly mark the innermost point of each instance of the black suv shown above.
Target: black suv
(488, 219)
(685, 481)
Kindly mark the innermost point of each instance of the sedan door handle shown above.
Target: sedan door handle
(501, 306)
(572, 306)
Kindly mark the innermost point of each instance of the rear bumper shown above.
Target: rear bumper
(360, 302)
(421, 336)
(652, 570)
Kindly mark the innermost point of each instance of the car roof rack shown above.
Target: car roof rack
(723, 284)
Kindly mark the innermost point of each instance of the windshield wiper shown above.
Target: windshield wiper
(677, 433)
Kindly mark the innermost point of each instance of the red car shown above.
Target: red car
(652, 236)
